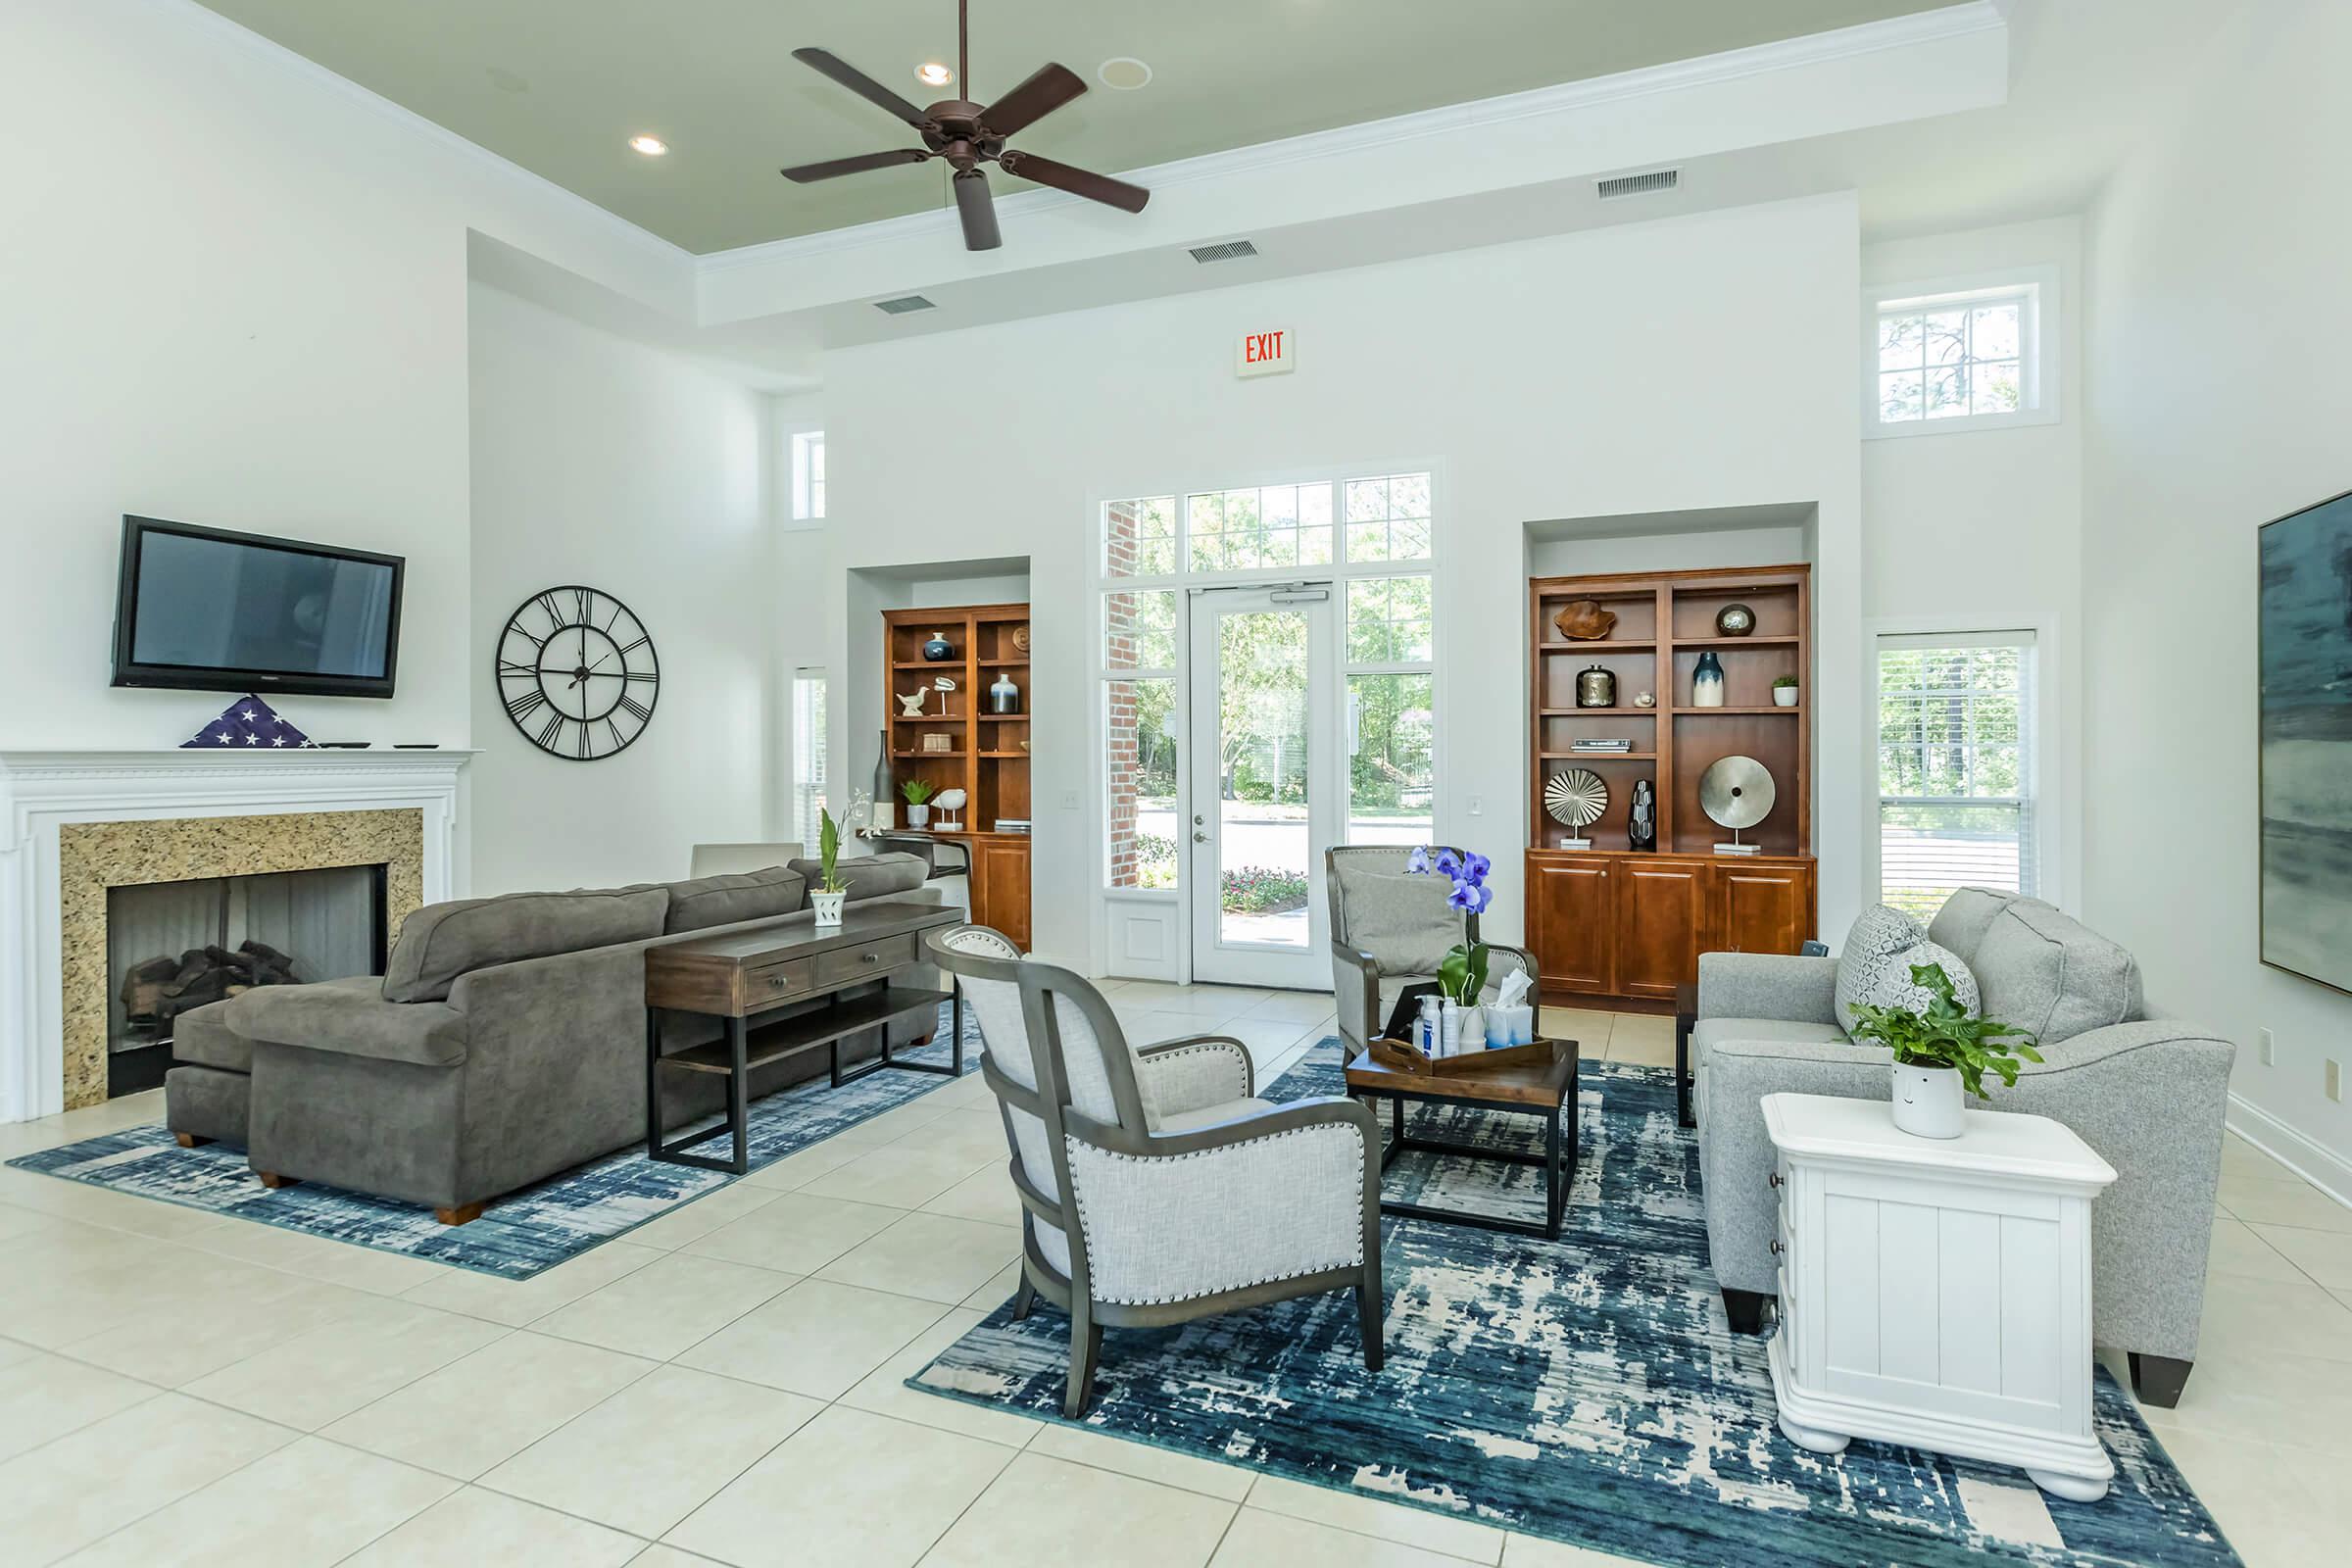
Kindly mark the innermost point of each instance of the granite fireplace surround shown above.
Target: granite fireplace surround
(93, 856)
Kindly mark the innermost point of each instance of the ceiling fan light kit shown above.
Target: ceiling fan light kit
(966, 135)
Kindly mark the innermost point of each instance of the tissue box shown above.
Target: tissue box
(1510, 1026)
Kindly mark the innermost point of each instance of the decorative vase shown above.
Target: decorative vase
(1460, 1029)
(886, 788)
(918, 815)
(1928, 1100)
(1641, 817)
(1597, 687)
(1706, 681)
(939, 650)
(828, 905)
(1784, 696)
(1003, 697)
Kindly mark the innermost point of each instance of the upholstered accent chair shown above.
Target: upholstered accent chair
(1390, 929)
(1155, 1186)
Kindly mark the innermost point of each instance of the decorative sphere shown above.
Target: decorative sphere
(1735, 621)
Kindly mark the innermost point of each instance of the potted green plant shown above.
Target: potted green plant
(1783, 691)
(1940, 1052)
(917, 794)
(831, 891)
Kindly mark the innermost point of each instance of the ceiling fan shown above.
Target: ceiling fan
(968, 134)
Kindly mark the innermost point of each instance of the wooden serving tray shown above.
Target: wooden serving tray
(1399, 1055)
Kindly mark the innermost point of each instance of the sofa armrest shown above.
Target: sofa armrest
(353, 1019)
(1736, 1154)
(1767, 985)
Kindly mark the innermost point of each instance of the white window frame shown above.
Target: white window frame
(808, 477)
(2037, 333)
(1182, 581)
(2054, 809)
(807, 739)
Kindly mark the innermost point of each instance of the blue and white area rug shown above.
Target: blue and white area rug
(1586, 1390)
(520, 1234)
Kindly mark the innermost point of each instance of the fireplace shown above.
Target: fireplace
(172, 946)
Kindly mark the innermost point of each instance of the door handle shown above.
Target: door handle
(1199, 837)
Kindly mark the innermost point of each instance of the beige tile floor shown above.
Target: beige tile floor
(724, 1386)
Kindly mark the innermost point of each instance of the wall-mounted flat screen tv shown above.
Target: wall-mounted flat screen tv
(206, 609)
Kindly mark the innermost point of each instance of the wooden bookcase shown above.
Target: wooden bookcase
(1629, 925)
(985, 754)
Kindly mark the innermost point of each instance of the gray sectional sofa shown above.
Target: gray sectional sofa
(505, 1043)
(2148, 1093)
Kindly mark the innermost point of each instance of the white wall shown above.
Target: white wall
(1696, 363)
(601, 461)
(233, 291)
(1982, 529)
(2217, 399)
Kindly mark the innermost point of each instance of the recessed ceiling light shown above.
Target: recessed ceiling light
(1123, 71)
(931, 73)
(651, 146)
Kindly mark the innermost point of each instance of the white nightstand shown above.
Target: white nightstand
(1936, 1293)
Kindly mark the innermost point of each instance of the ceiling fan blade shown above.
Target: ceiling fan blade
(864, 85)
(805, 173)
(977, 210)
(1077, 181)
(1047, 89)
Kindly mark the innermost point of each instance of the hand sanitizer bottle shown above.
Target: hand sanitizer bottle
(1430, 1029)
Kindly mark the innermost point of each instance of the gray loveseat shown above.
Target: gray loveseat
(505, 1043)
(2148, 1093)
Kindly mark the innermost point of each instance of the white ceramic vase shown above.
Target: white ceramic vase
(917, 816)
(1928, 1102)
(1462, 1028)
(828, 906)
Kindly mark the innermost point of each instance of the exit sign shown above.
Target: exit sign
(1272, 353)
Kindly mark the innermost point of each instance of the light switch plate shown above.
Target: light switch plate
(2270, 1050)
(2335, 1081)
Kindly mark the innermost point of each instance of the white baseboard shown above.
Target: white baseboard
(2315, 1162)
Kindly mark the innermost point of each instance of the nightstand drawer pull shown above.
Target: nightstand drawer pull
(1777, 1248)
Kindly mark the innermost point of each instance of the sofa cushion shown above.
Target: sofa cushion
(1893, 987)
(1708, 1033)
(202, 1035)
(1400, 918)
(869, 876)
(2047, 973)
(1966, 916)
(443, 941)
(349, 1017)
(729, 897)
(1871, 947)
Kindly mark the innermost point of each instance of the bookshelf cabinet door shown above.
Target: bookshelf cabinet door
(1573, 924)
(1760, 909)
(1661, 908)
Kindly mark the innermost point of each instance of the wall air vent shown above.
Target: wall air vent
(1232, 250)
(1657, 179)
(902, 304)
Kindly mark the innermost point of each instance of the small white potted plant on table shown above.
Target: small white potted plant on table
(918, 795)
(1940, 1052)
(831, 891)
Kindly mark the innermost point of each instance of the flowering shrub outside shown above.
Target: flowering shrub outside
(1154, 860)
(1263, 889)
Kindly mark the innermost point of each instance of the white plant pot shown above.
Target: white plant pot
(1461, 1029)
(1784, 696)
(828, 906)
(1928, 1102)
(917, 816)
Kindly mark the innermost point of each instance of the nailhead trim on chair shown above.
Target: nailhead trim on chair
(1078, 1201)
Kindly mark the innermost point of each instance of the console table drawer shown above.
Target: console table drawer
(845, 965)
(773, 980)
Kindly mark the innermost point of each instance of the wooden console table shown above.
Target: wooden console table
(846, 969)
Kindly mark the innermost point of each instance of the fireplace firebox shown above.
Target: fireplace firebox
(172, 946)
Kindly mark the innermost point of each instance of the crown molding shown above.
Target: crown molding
(221, 31)
(1956, 21)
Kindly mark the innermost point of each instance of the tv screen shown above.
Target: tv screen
(205, 610)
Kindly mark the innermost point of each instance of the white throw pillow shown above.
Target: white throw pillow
(1893, 987)
(1875, 939)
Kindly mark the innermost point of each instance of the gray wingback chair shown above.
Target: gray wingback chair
(2148, 1093)
(1389, 928)
(1155, 1186)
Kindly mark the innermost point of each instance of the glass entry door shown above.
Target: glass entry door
(1264, 798)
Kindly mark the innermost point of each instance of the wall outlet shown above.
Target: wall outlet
(1478, 805)
(2270, 1050)
(1070, 800)
(2335, 1081)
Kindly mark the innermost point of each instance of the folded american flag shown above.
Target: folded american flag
(249, 724)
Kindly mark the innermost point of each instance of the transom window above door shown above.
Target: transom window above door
(1271, 528)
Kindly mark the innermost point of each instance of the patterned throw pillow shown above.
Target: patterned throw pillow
(1875, 940)
(1893, 986)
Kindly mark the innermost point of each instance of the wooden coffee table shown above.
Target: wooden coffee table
(1537, 1080)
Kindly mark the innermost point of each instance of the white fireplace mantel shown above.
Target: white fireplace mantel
(42, 791)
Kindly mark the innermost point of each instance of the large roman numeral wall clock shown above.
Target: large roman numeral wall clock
(577, 673)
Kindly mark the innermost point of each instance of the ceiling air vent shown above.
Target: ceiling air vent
(1232, 250)
(1657, 179)
(902, 304)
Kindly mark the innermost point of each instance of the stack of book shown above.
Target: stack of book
(1601, 745)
